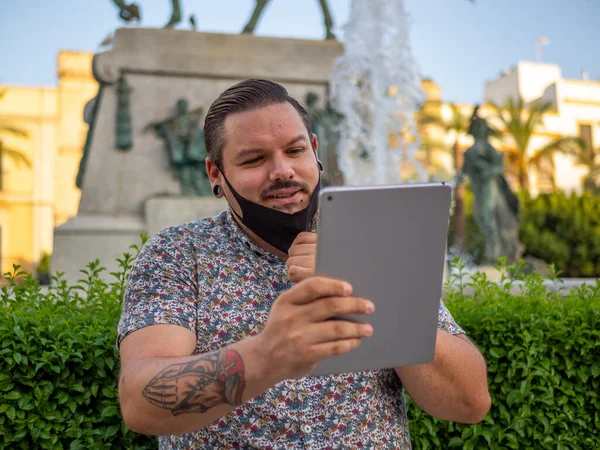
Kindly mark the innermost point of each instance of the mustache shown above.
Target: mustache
(284, 185)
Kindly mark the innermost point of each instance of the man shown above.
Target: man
(223, 318)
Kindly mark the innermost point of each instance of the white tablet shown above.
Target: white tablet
(389, 242)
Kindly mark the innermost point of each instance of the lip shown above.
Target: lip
(294, 198)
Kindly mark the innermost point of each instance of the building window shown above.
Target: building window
(585, 134)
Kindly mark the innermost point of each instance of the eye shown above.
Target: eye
(296, 151)
(252, 161)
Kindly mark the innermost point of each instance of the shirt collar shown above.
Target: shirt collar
(246, 241)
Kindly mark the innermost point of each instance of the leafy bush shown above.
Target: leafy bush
(543, 354)
(59, 364)
(555, 227)
(564, 229)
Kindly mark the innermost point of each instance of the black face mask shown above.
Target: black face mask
(277, 228)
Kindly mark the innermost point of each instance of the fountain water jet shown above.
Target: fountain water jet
(376, 87)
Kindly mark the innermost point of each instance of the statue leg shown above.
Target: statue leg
(484, 217)
(258, 10)
(328, 20)
(177, 151)
(186, 181)
(493, 244)
(119, 4)
(175, 14)
(127, 12)
(202, 186)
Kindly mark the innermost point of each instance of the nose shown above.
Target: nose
(282, 169)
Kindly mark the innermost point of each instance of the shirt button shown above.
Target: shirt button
(307, 429)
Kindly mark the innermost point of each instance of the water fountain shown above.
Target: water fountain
(375, 85)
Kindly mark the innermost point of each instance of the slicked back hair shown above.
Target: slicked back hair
(244, 96)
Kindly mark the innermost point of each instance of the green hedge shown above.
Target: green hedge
(59, 366)
(555, 227)
(542, 348)
(564, 229)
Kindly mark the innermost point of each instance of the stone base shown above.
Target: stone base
(491, 273)
(445, 273)
(163, 212)
(83, 239)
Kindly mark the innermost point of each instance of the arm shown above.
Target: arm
(454, 385)
(164, 390)
(451, 387)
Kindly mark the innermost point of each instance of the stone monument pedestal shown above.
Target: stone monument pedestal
(128, 184)
(163, 212)
(490, 272)
(85, 238)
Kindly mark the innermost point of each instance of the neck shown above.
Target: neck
(259, 241)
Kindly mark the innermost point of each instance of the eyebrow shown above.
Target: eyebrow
(298, 138)
(244, 153)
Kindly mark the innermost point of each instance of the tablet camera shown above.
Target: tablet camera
(329, 197)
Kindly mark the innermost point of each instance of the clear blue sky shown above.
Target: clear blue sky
(457, 43)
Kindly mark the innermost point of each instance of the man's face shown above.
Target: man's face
(269, 159)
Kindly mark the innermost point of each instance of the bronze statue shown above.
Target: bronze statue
(496, 207)
(123, 138)
(324, 123)
(132, 12)
(90, 113)
(260, 6)
(184, 141)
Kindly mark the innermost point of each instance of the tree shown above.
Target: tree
(586, 156)
(520, 123)
(426, 118)
(15, 155)
(457, 125)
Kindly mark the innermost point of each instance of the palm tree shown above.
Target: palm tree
(520, 123)
(15, 155)
(457, 124)
(429, 116)
(587, 156)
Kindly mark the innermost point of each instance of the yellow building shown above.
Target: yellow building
(35, 199)
(575, 112)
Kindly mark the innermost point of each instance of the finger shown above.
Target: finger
(301, 261)
(314, 288)
(336, 330)
(302, 249)
(161, 397)
(297, 273)
(330, 307)
(305, 238)
(321, 351)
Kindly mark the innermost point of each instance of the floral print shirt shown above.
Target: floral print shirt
(210, 277)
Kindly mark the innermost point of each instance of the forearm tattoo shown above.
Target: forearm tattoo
(198, 385)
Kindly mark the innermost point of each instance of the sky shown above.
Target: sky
(458, 43)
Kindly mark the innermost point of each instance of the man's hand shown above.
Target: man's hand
(302, 257)
(299, 334)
